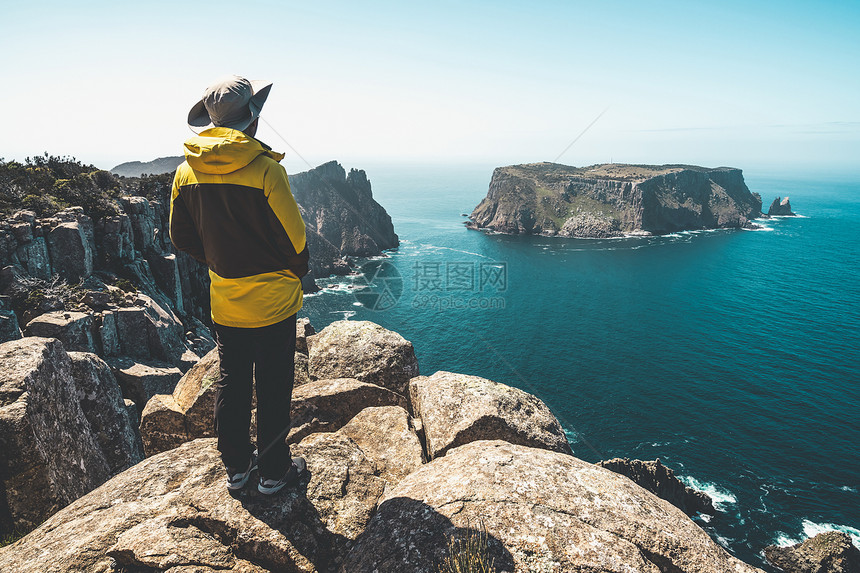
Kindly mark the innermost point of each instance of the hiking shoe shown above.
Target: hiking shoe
(236, 478)
(291, 478)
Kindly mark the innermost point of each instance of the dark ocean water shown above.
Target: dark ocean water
(730, 355)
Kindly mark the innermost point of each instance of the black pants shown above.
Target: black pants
(266, 355)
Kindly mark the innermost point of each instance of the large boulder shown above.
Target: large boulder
(73, 329)
(344, 486)
(104, 407)
(9, 329)
(828, 552)
(172, 512)
(386, 436)
(140, 380)
(115, 239)
(303, 330)
(362, 350)
(456, 409)
(542, 511)
(166, 335)
(661, 481)
(71, 252)
(49, 451)
(326, 405)
(146, 330)
(33, 254)
(143, 222)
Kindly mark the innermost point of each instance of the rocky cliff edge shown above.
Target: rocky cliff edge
(400, 465)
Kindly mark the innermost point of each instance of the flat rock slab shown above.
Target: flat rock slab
(73, 329)
(386, 436)
(362, 350)
(456, 409)
(140, 380)
(172, 513)
(542, 511)
(327, 405)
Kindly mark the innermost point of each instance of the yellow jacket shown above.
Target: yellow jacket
(231, 208)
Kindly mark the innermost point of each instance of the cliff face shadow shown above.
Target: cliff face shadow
(406, 534)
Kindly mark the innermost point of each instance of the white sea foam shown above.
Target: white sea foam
(572, 436)
(347, 314)
(759, 228)
(720, 497)
(848, 488)
(811, 529)
(428, 246)
(783, 540)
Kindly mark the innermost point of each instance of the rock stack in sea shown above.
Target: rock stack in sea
(828, 552)
(400, 464)
(660, 480)
(780, 208)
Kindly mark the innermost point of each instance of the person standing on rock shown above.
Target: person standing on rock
(232, 209)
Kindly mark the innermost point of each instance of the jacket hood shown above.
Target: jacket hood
(221, 150)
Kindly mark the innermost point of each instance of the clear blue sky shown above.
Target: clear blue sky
(497, 82)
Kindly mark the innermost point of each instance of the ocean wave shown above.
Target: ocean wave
(572, 436)
(759, 228)
(347, 314)
(784, 540)
(848, 488)
(811, 529)
(720, 497)
(428, 246)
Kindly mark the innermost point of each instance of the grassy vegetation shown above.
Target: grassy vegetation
(10, 538)
(469, 554)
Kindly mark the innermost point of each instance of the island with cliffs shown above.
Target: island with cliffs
(614, 200)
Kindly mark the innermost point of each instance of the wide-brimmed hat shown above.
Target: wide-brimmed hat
(232, 102)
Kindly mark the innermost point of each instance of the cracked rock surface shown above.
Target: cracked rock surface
(543, 511)
(172, 512)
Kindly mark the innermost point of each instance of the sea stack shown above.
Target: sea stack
(780, 208)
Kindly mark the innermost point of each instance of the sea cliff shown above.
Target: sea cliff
(613, 200)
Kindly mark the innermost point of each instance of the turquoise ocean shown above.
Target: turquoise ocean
(731, 355)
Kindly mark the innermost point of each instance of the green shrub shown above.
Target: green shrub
(10, 538)
(126, 285)
(47, 184)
